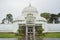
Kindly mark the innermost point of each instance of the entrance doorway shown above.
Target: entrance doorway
(30, 33)
(30, 36)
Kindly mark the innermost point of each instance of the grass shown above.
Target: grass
(7, 35)
(47, 35)
(52, 35)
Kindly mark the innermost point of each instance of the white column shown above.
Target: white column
(34, 33)
(26, 33)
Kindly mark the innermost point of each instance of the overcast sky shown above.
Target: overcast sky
(15, 7)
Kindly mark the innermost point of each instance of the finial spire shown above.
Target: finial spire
(29, 4)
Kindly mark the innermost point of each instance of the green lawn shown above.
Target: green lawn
(12, 35)
(52, 35)
(7, 35)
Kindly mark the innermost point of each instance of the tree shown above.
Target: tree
(53, 18)
(3, 21)
(59, 17)
(9, 18)
(58, 14)
(45, 15)
(40, 30)
(21, 30)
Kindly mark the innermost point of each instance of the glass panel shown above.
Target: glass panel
(30, 29)
(30, 20)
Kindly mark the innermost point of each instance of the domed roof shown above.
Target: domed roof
(29, 9)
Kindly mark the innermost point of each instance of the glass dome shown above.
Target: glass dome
(29, 9)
